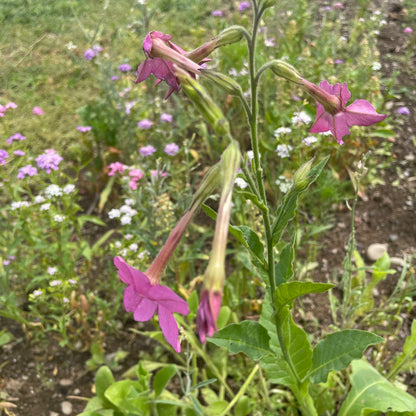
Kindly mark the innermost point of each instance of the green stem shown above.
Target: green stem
(240, 392)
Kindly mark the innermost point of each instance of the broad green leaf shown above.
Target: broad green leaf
(337, 350)
(297, 344)
(274, 365)
(371, 392)
(284, 268)
(252, 241)
(223, 316)
(243, 406)
(103, 380)
(288, 292)
(162, 378)
(287, 208)
(128, 396)
(216, 408)
(248, 337)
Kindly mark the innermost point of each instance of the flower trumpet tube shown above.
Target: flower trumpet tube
(144, 295)
(204, 103)
(214, 277)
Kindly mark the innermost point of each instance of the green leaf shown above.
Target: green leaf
(251, 241)
(128, 396)
(371, 392)
(248, 337)
(162, 378)
(243, 406)
(337, 350)
(82, 219)
(106, 193)
(287, 208)
(288, 292)
(284, 268)
(103, 380)
(253, 198)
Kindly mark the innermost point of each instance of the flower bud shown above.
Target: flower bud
(233, 34)
(284, 70)
(206, 106)
(300, 179)
(268, 3)
(224, 82)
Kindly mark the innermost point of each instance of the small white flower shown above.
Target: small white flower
(300, 117)
(65, 300)
(45, 207)
(39, 199)
(133, 247)
(309, 140)
(233, 72)
(69, 188)
(130, 201)
(72, 281)
(19, 204)
(283, 183)
(53, 190)
(55, 283)
(128, 236)
(117, 244)
(376, 66)
(36, 293)
(283, 150)
(58, 218)
(114, 213)
(282, 130)
(142, 254)
(250, 155)
(70, 45)
(241, 183)
(125, 219)
(123, 252)
(52, 270)
(125, 209)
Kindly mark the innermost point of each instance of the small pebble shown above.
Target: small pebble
(66, 408)
(375, 251)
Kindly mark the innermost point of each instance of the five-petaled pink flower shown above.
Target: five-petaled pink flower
(331, 113)
(160, 58)
(143, 299)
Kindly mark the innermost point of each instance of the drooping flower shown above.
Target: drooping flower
(147, 150)
(49, 160)
(37, 111)
(144, 297)
(145, 124)
(331, 113)
(28, 170)
(160, 58)
(214, 276)
(171, 149)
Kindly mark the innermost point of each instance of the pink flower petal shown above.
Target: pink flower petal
(362, 113)
(131, 299)
(145, 310)
(169, 328)
(168, 299)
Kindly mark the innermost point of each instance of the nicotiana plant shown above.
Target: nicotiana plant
(279, 346)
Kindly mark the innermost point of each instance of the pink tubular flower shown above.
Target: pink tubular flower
(208, 311)
(115, 167)
(160, 58)
(143, 297)
(331, 113)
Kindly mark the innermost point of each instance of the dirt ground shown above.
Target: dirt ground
(52, 381)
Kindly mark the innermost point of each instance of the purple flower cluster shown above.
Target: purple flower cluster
(147, 150)
(84, 129)
(49, 160)
(90, 54)
(124, 67)
(4, 108)
(145, 124)
(171, 149)
(16, 136)
(28, 170)
(244, 5)
(3, 155)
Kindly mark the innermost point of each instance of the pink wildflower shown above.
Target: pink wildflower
(331, 113)
(217, 13)
(244, 5)
(11, 104)
(49, 160)
(37, 111)
(166, 118)
(160, 58)
(84, 129)
(338, 6)
(16, 136)
(115, 167)
(3, 155)
(135, 176)
(28, 170)
(147, 150)
(145, 124)
(208, 311)
(171, 149)
(408, 30)
(158, 173)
